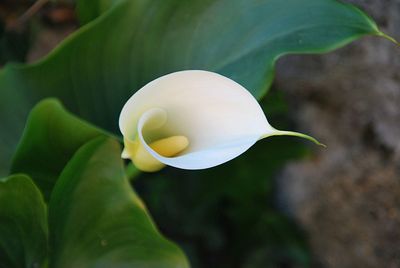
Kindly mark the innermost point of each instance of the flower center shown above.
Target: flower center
(167, 147)
(152, 125)
(170, 146)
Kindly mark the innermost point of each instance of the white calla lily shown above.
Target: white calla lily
(192, 120)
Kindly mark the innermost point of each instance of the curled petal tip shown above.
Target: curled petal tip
(388, 37)
(295, 134)
(323, 145)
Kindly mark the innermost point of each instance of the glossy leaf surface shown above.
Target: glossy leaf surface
(96, 69)
(96, 220)
(23, 223)
(51, 136)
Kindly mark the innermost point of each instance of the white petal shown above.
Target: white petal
(206, 157)
(220, 118)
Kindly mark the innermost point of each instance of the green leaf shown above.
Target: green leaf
(96, 220)
(96, 69)
(89, 10)
(23, 223)
(51, 137)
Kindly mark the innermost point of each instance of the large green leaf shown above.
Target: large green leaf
(95, 70)
(51, 137)
(96, 220)
(23, 223)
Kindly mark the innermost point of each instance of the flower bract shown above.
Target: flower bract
(192, 120)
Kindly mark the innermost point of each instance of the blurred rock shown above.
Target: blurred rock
(58, 21)
(347, 197)
(38, 28)
(47, 39)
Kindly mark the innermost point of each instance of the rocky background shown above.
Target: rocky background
(347, 197)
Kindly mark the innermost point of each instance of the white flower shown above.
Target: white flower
(192, 120)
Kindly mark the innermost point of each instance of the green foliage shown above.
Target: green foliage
(97, 68)
(88, 10)
(51, 137)
(23, 223)
(95, 218)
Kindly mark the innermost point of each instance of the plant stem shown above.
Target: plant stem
(28, 14)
